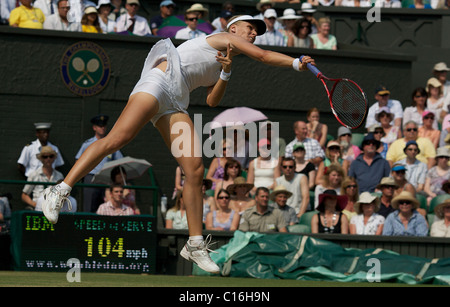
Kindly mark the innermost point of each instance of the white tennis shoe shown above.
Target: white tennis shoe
(200, 256)
(54, 200)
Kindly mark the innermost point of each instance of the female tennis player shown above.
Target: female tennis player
(162, 97)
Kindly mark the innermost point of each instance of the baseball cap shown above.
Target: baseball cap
(167, 3)
(382, 90)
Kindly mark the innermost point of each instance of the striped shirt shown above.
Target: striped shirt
(415, 173)
(109, 209)
(312, 149)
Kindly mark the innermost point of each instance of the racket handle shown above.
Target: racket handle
(312, 68)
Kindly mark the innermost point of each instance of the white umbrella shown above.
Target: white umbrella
(133, 167)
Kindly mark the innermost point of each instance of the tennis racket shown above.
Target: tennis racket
(347, 100)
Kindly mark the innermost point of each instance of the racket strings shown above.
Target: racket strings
(349, 103)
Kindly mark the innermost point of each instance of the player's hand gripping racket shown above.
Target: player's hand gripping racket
(347, 100)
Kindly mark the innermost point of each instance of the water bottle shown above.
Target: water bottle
(164, 203)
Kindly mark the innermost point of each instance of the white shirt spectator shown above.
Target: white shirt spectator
(394, 105)
(272, 38)
(31, 162)
(48, 7)
(141, 26)
(188, 33)
(54, 22)
(388, 3)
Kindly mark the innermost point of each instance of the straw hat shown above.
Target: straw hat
(405, 195)
(90, 10)
(341, 200)
(289, 14)
(262, 2)
(46, 150)
(439, 209)
(387, 181)
(441, 66)
(433, 82)
(197, 7)
(279, 189)
(442, 152)
(366, 198)
(239, 181)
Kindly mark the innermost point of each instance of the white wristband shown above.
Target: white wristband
(225, 76)
(295, 64)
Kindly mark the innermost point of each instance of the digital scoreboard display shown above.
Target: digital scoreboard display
(114, 244)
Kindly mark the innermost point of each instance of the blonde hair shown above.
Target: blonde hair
(323, 20)
(231, 19)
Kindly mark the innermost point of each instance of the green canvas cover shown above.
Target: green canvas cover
(290, 256)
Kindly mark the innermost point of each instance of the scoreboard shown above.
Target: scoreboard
(114, 244)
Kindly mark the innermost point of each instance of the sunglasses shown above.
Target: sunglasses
(223, 197)
(404, 202)
(428, 117)
(411, 129)
(334, 148)
(193, 19)
(412, 149)
(288, 166)
(233, 166)
(354, 186)
(378, 132)
(48, 157)
(401, 172)
(419, 96)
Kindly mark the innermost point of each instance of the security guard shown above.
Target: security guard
(27, 161)
(94, 197)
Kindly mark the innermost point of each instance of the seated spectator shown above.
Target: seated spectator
(391, 132)
(353, 3)
(263, 170)
(378, 134)
(239, 191)
(209, 204)
(216, 169)
(27, 16)
(300, 37)
(417, 108)
(330, 218)
(438, 174)
(399, 175)
(382, 96)
(89, 21)
(220, 22)
(440, 71)
(104, 8)
(444, 139)
(388, 3)
(350, 189)
(333, 155)
(232, 171)
(176, 216)
(132, 22)
(410, 131)
(441, 224)
(46, 173)
(316, 129)
(201, 11)
(427, 130)
(295, 183)
(416, 171)
(387, 187)
(332, 180)
(304, 167)
(435, 101)
(349, 151)
(314, 152)
(287, 22)
(367, 221)
(166, 9)
(321, 2)
(280, 196)
(307, 11)
(48, 7)
(59, 21)
(191, 31)
(264, 5)
(224, 218)
(418, 4)
(323, 39)
(262, 217)
(405, 221)
(117, 10)
(272, 36)
(119, 176)
(5, 212)
(115, 206)
(369, 168)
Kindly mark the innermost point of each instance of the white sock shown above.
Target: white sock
(195, 240)
(65, 188)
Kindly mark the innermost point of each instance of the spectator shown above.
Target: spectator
(287, 21)
(300, 34)
(272, 36)
(93, 197)
(440, 71)
(369, 168)
(45, 173)
(349, 151)
(201, 11)
(166, 9)
(314, 152)
(416, 171)
(220, 23)
(304, 167)
(59, 21)
(240, 200)
(321, 2)
(48, 7)
(353, 3)
(209, 204)
(191, 31)
(119, 176)
(295, 183)
(264, 5)
(224, 218)
(391, 132)
(262, 217)
(5, 212)
(435, 101)
(438, 174)
(333, 155)
(444, 139)
(441, 225)
(216, 170)
(280, 196)
(367, 221)
(387, 187)
(388, 3)
(418, 4)
(399, 175)
(410, 131)
(263, 170)
(89, 21)
(382, 95)
(26, 16)
(28, 160)
(117, 10)
(266, 130)
(316, 129)
(176, 216)
(6, 6)
(107, 23)
(330, 218)
(323, 39)
(427, 130)
(419, 105)
(233, 170)
(132, 22)
(115, 206)
(307, 11)
(332, 180)
(405, 221)
(350, 189)
(378, 134)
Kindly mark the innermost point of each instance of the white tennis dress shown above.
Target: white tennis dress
(190, 65)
